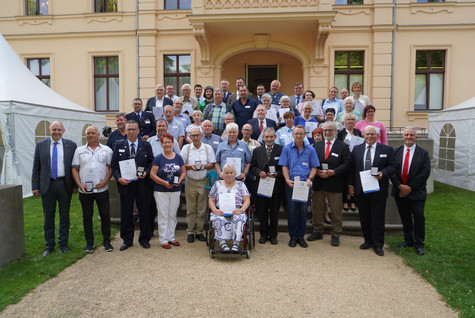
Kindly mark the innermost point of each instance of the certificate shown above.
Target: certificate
(309, 127)
(227, 203)
(266, 187)
(316, 109)
(276, 107)
(128, 170)
(368, 182)
(236, 163)
(187, 108)
(272, 114)
(300, 191)
(89, 175)
(157, 112)
(355, 141)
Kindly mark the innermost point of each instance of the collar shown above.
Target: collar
(193, 146)
(60, 141)
(412, 148)
(373, 145)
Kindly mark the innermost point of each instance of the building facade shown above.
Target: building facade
(411, 57)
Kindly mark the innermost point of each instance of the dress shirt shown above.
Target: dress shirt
(213, 140)
(136, 145)
(175, 128)
(252, 144)
(183, 119)
(411, 155)
(276, 97)
(88, 160)
(173, 98)
(158, 102)
(193, 102)
(373, 150)
(284, 136)
(299, 163)
(240, 150)
(190, 154)
(217, 116)
(336, 104)
(157, 146)
(60, 149)
(331, 145)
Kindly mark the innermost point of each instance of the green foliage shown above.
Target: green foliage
(23, 275)
(449, 261)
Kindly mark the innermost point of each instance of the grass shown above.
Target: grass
(23, 275)
(449, 261)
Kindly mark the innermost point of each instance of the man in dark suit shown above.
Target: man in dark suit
(409, 189)
(52, 179)
(141, 152)
(298, 97)
(261, 122)
(265, 164)
(160, 100)
(371, 205)
(335, 162)
(145, 120)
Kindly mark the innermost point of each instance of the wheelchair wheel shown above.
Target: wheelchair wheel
(212, 253)
(248, 254)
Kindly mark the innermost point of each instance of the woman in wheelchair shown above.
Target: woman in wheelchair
(235, 200)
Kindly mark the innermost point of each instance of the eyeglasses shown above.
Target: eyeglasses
(138, 104)
(327, 130)
(195, 135)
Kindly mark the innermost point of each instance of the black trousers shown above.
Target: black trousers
(57, 192)
(152, 210)
(127, 216)
(87, 203)
(372, 218)
(268, 211)
(413, 220)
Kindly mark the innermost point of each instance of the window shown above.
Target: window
(105, 5)
(177, 4)
(447, 148)
(429, 88)
(42, 130)
(422, 1)
(345, 2)
(41, 69)
(349, 68)
(177, 70)
(36, 7)
(106, 83)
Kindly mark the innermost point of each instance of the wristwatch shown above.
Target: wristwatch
(243, 210)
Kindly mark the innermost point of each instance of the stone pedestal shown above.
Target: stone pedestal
(12, 232)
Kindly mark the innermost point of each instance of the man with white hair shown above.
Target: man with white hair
(372, 160)
(208, 137)
(159, 100)
(175, 128)
(261, 122)
(275, 92)
(188, 100)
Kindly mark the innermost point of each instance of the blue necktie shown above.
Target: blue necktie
(54, 162)
(132, 150)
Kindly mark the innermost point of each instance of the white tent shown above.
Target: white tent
(453, 132)
(26, 105)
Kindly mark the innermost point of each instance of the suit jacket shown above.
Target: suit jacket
(147, 123)
(293, 101)
(342, 134)
(151, 103)
(339, 160)
(383, 159)
(255, 126)
(232, 98)
(419, 172)
(41, 175)
(259, 163)
(143, 158)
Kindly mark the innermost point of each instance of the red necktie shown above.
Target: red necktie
(406, 167)
(327, 151)
(261, 126)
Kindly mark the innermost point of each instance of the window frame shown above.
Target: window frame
(348, 72)
(177, 7)
(38, 6)
(349, 3)
(427, 73)
(40, 76)
(177, 74)
(106, 6)
(107, 76)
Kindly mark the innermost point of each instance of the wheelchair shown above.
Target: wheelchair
(248, 237)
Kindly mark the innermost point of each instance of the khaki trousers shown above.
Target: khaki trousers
(336, 205)
(196, 204)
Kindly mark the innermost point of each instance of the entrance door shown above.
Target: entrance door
(261, 74)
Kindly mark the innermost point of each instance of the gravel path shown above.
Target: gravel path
(277, 281)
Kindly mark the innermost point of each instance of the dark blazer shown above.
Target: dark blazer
(232, 98)
(147, 123)
(143, 158)
(255, 126)
(259, 163)
(41, 175)
(342, 134)
(338, 160)
(419, 172)
(151, 103)
(383, 159)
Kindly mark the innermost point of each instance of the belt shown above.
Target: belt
(58, 179)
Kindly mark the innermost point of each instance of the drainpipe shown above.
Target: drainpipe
(137, 40)
(393, 47)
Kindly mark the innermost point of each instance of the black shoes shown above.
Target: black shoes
(379, 251)
(263, 240)
(315, 236)
(64, 249)
(327, 222)
(88, 248)
(190, 238)
(405, 244)
(365, 246)
(273, 241)
(419, 250)
(293, 242)
(124, 247)
(145, 245)
(201, 237)
(47, 252)
(302, 243)
(108, 247)
(335, 241)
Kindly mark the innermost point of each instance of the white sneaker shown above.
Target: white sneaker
(235, 247)
(223, 246)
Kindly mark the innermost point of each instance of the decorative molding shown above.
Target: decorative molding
(239, 4)
(199, 32)
(432, 7)
(261, 41)
(319, 69)
(36, 20)
(322, 34)
(205, 69)
(171, 16)
(103, 17)
(354, 11)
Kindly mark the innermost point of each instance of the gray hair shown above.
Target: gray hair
(229, 166)
(308, 103)
(218, 89)
(186, 85)
(229, 113)
(159, 85)
(269, 129)
(329, 123)
(197, 112)
(232, 126)
(410, 128)
(349, 98)
(370, 127)
(285, 97)
(266, 96)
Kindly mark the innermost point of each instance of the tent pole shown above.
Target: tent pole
(137, 40)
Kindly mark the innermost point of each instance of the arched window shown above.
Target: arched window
(84, 140)
(42, 130)
(447, 148)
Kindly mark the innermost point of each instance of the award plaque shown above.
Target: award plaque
(140, 171)
(271, 169)
(89, 186)
(176, 179)
(374, 171)
(324, 167)
(198, 164)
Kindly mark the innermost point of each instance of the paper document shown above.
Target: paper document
(266, 187)
(157, 112)
(128, 170)
(300, 191)
(272, 114)
(236, 163)
(368, 182)
(227, 203)
(309, 127)
(355, 141)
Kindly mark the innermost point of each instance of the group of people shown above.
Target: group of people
(304, 145)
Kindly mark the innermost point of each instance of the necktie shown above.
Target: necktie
(54, 162)
(261, 126)
(327, 150)
(269, 150)
(406, 167)
(138, 117)
(132, 150)
(367, 163)
(298, 100)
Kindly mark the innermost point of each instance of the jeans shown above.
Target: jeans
(297, 215)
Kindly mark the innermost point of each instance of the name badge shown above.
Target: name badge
(147, 121)
(305, 164)
(383, 155)
(175, 127)
(247, 106)
(334, 154)
(121, 150)
(276, 158)
(216, 142)
(240, 149)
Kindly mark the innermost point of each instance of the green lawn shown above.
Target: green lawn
(449, 261)
(20, 277)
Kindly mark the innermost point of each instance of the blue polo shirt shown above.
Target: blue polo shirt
(299, 164)
(240, 150)
(213, 141)
(244, 112)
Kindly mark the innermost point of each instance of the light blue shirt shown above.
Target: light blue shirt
(240, 150)
(157, 146)
(213, 141)
(183, 119)
(299, 163)
(175, 128)
(284, 136)
(336, 104)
